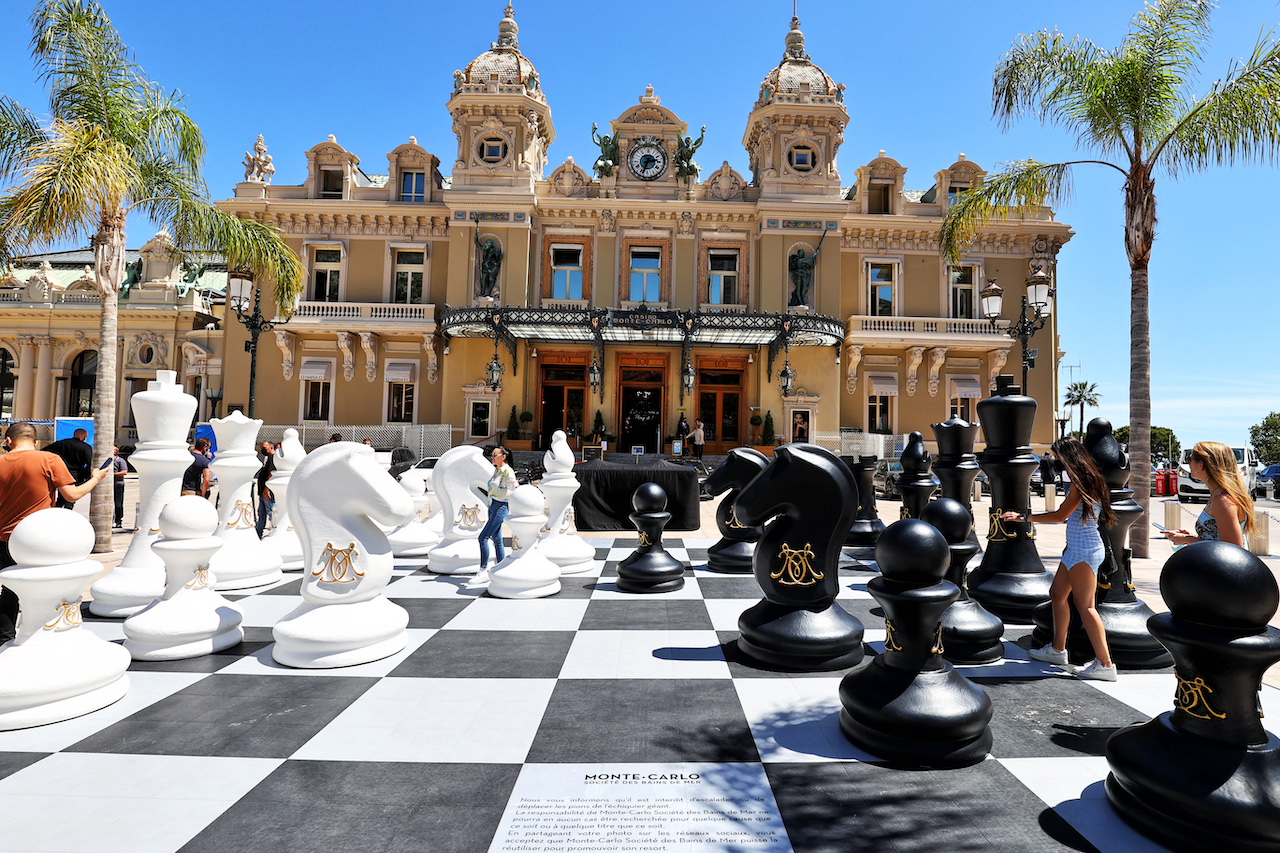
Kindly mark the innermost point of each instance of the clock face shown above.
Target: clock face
(647, 161)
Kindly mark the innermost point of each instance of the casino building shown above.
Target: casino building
(637, 286)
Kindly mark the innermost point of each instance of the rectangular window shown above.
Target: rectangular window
(962, 407)
(400, 403)
(722, 281)
(480, 420)
(317, 401)
(646, 269)
(880, 290)
(325, 275)
(408, 278)
(878, 198)
(566, 272)
(413, 186)
(330, 183)
(879, 414)
(954, 192)
(962, 293)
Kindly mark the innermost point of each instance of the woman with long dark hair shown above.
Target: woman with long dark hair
(1088, 502)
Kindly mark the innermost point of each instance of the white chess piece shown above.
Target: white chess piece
(525, 572)
(190, 619)
(242, 561)
(460, 476)
(435, 518)
(338, 497)
(163, 416)
(560, 541)
(55, 669)
(415, 537)
(283, 539)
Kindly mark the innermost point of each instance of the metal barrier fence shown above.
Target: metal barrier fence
(855, 444)
(44, 430)
(422, 439)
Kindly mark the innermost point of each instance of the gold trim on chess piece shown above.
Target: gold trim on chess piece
(68, 616)
(468, 516)
(936, 648)
(245, 510)
(201, 579)
(645, 541)
(891, 643)
(338, 561)
(733, 523)
(1190, 695)
(796, 567)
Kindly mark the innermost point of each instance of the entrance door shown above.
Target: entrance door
(720, 409)
(564, 401)
(641, 411)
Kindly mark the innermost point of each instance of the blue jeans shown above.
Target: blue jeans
(493, 530)
(265, 507)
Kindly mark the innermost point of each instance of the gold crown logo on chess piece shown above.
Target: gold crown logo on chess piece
(796, 569)
(338, 562)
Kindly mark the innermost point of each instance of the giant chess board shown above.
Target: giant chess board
(593, 720)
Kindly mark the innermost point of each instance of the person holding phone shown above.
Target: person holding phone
(1087, 502)
(1228, 515)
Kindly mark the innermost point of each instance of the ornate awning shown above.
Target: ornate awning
(687, 329)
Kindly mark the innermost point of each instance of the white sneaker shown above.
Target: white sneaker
(1094, 669)
(1049, 654)
(481, 578)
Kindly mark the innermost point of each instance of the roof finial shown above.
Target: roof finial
(795, 38)
(507, 30)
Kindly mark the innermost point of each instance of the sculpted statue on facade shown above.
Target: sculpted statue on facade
(685, 167)
(489, 260)
(609, 156)
(257, 163)
(801, 269)
(458, 80)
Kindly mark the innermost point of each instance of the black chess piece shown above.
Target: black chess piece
(732, 554)
(909, 704)
(1206, 775)
(917, 482)
(860, 543)
(809, 495)
(970, 634)
(1124, 615)
(956, 465)
(650, 568)
(1011, 580)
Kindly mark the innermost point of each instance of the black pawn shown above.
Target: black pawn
(798, 626)
(1124, 615)
(970, 634)
(732, 554)
(1206, 775)
(917, 482)
(909, 704)
(650, 568)
(860, 543)
(956, 465)
(1011, 579)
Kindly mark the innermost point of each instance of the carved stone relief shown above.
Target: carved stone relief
(345, 339)
(914, 356)
(369, 343)
(937, 357)
(287, 342)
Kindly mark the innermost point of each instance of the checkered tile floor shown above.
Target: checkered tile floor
(423, 751)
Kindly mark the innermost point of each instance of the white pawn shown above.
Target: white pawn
(163, 415)
(283, 539)
(525, 572)
(560, 541)
(243, 561)
(190, 619)
(460, 476)
(55, 669)
(415, 537)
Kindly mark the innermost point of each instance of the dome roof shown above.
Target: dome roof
(795, 69)
(502, 58)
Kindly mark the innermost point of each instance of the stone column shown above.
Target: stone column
(24, 390)
(41, 408)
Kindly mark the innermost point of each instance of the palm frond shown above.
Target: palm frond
(89, 72)
(1160, 59)
(19, 131)
(1237, 119)
(1017, 192)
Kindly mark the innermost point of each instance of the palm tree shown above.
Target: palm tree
(1081, 394)
(113, 143)
(1134, 108)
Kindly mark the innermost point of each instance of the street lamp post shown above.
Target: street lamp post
(1039, 298)
(214, 396)
(239, 285)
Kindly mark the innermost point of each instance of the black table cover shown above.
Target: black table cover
(604, 500)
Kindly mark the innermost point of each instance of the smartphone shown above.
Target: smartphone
(1159, 527)
(106, 463)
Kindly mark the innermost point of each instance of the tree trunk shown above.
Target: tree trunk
(1082, 420)
(1140, 223)
(108, 267)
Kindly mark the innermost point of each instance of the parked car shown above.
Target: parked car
(401, 461)
(1192, 490)
(886, 478)
(1270, 474)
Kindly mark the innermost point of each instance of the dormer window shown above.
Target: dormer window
(802, 158)
(413, 186)
(879, 198)
(493, 149)
(330, 183)
(954, 192)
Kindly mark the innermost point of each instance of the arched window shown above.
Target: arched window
(8, 381)
(84, 379)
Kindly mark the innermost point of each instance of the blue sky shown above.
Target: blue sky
(919, 79)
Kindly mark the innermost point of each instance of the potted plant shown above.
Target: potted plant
(767, 438)
(514, 440)
(755, 422)
(526, 424)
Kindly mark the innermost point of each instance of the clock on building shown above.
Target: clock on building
(647, 160)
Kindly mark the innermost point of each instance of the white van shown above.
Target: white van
(1192, 490)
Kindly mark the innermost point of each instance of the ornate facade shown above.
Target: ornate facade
(641, 285)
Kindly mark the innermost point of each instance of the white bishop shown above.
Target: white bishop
(560, 540)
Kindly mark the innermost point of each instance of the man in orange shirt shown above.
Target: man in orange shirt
(29, 479)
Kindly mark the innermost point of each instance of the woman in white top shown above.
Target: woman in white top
(501, 484)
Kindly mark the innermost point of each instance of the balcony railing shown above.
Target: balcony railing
(925, 326)
(369, 311)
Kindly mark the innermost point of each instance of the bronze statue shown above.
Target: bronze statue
(609, 157)
(490, 260)
(801, 270)
(685, 167)
(132, 275)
